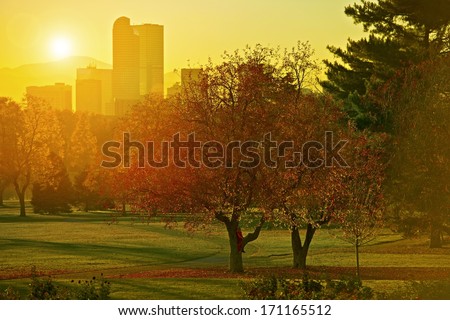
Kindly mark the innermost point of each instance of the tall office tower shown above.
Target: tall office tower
(138, 62)
(94, 90)
(125, 84)
(58, 96)
(151, 58)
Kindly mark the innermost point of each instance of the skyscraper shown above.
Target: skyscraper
(94, 90)
(151, 58)
(138, 62)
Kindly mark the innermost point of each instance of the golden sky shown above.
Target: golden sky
(194, 29)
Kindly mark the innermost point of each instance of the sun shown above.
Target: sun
(61, 47)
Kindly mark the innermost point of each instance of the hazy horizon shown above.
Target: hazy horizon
(193, 32)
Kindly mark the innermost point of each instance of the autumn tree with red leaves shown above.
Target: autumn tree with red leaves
(237, 101)
(228, 158)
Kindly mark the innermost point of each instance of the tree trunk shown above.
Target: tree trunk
(3, 185)
(232, 225)
(357, 259)
(296, 243)
(2, 189)
(300, 252)
(235, 263)
(21, 195)
(435, 237)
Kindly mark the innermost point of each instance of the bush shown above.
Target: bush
(92, 290)
(422, 290)
(261, 289)
(9, 294)
(305, 289)
(45, 289)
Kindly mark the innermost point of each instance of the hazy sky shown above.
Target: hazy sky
(194, 29)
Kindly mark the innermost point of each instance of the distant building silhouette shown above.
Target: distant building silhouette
(174, 90)
(89, 96)
(189, 76)
(58, 96)
(138, 62)
(94, 90)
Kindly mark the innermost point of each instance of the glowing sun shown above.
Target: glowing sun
(61, 47)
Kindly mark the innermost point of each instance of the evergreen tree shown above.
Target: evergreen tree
(419, 165)
(400, 33)
(53, 193)
(91, 191)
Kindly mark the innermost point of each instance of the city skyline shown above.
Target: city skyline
(194, 32)
(138, 62)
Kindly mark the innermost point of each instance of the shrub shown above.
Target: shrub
(9, 294)
(422, 290)
(94, 289)
(45, 289)
(305, 289)
(261, 289)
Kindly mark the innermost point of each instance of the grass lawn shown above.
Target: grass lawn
(149, 261)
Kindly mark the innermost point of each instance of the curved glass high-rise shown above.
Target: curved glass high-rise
(138, 62)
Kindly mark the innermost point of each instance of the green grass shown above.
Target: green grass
(82, 245)
(183, 289)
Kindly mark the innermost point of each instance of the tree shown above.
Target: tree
(250, 101)
(359, 228)
(82, 159)
(36, 135)
(83, 145)
(149, 121)
(360, 216)
(239, 100)
(418, 100)
(9, 116)
(304, 195)
(301, 68)
(234, 102)
(401, 33)
(54, 193)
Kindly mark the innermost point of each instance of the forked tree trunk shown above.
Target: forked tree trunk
(20, 191)
(236, 264)
(299, 250)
